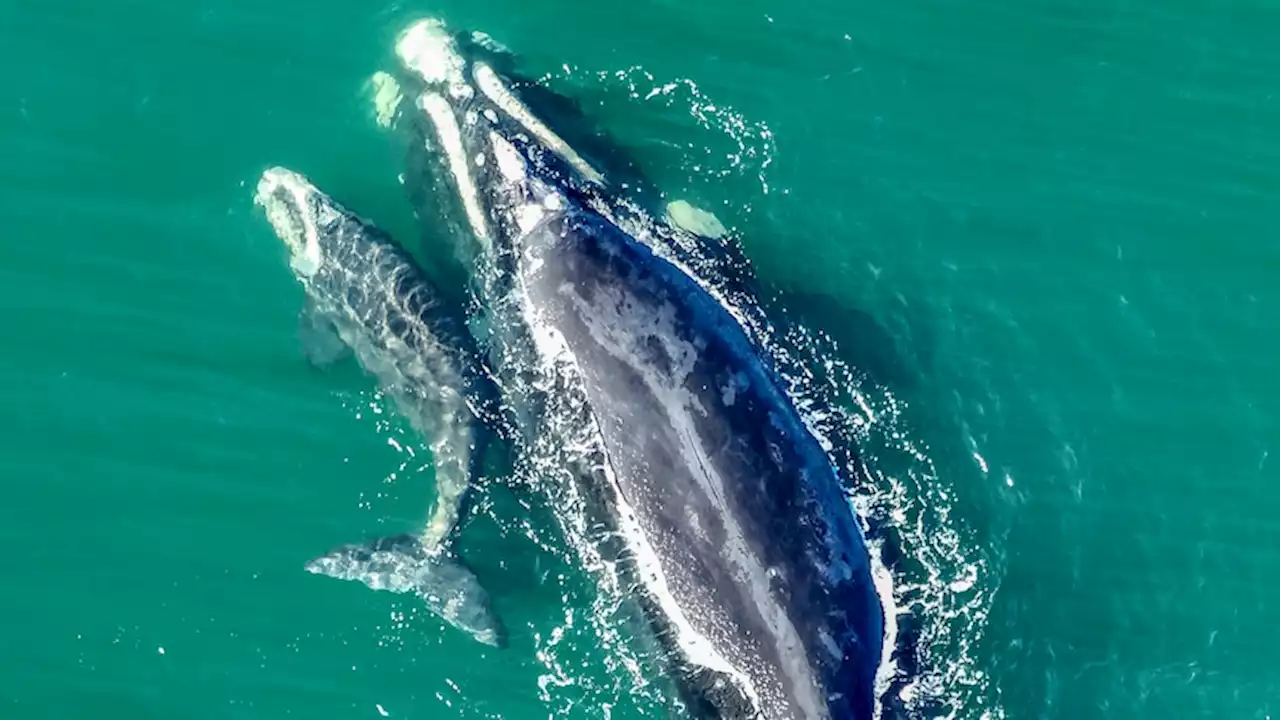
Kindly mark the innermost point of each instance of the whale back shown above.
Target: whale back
(743, 537)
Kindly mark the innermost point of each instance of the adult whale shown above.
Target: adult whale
(366, 295)
(745, 547)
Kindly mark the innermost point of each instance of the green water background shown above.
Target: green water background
(1063, 214)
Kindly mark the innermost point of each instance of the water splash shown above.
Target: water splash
(730, 144)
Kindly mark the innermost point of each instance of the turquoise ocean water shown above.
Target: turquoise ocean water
(1045, 231)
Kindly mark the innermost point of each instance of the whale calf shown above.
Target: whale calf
(365, 295)
(751, 562)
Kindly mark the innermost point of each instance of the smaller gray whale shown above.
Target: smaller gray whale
(365, 295)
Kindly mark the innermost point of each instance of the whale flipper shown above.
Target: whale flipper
(694, 219)
(319, 339)
(401, 564)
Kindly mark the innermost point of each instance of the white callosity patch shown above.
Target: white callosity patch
(493, 88)
(283, 195)
(446, 124)
(427, 50)
(528, 216)
(510, 164)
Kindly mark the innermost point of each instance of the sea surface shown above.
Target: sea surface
(1037, 244)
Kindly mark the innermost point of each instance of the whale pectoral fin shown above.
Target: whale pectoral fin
(320, 342)
(695, 220)
(401, 564)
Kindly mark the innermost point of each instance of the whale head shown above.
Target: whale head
(300, 214)
(494, 166)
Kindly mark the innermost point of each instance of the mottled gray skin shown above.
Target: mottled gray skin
(752, 563)
(365, 289)
(737, 499)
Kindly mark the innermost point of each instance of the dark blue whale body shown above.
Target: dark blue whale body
(723, 476)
